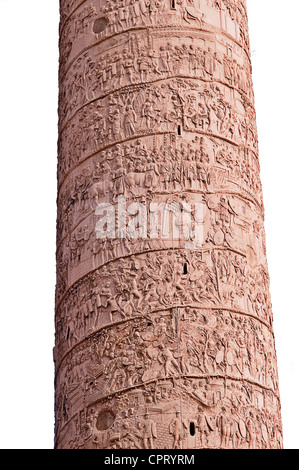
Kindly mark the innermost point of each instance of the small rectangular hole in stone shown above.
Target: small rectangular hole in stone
(192, 429)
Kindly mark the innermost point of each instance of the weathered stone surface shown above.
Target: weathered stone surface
(162, 341)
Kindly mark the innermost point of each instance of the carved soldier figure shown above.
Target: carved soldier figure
(131, 435)
(178, 428)
(171, 365)
(224, 427)
(96, 298)
(129, 65)
(149, 432)
(251, 433)
(144, 66)
(204, 427)
(130, 120)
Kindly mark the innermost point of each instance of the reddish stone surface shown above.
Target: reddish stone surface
(165, 342)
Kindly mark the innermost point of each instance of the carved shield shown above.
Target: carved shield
(154, 429)
(212, 203)
(152, 352)
(148, 375)
(211, 423)
(230, 358)
(242, 429)
(220, 357)
(219, 237)
(264, 433)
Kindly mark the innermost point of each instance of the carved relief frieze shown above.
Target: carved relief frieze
(163, 321)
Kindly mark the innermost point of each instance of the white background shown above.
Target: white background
(28, 132)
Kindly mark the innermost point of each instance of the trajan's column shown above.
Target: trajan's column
(164, 328)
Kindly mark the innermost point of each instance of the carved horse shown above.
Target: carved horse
(135, 180)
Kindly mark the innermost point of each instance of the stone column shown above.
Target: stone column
(164, 328)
